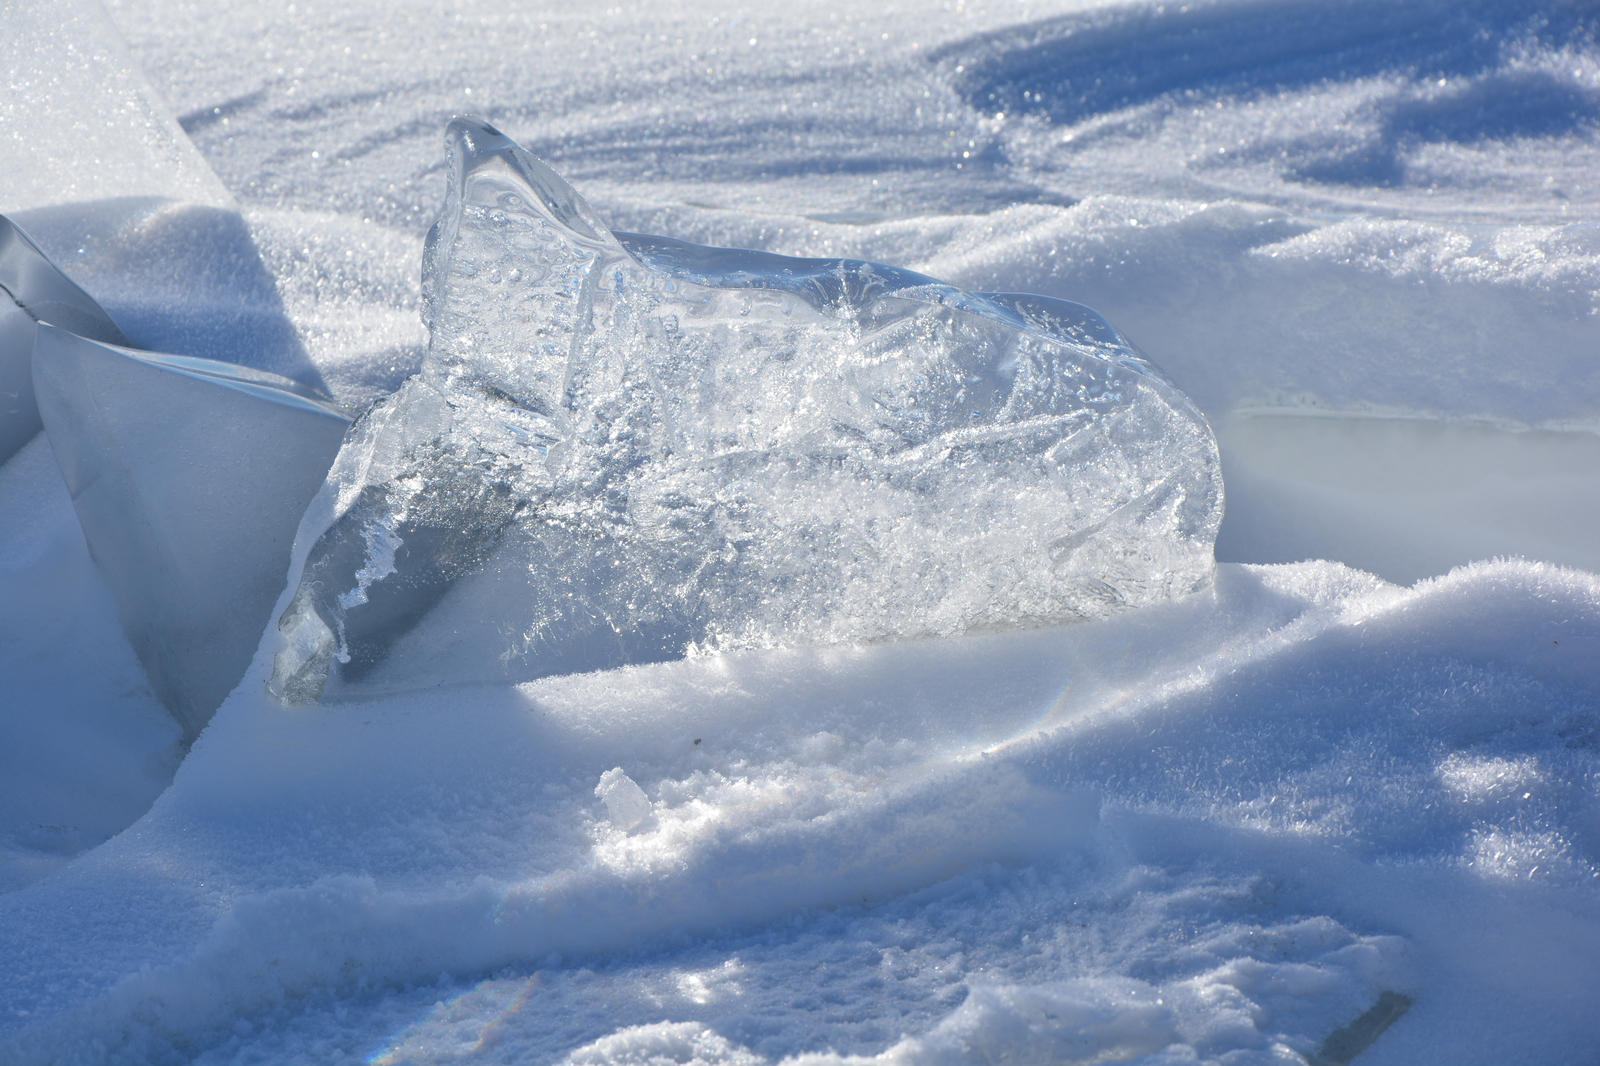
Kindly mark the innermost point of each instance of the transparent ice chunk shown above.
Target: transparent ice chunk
(189, 477)
(626, 803)
(35, 290)
(624, 448)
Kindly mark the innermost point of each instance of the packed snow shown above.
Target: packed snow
(1340, 803)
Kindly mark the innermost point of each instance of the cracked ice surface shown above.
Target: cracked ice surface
(621, 448)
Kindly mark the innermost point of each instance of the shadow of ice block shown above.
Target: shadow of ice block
(189, 477)
(624, 448)
(38, 292)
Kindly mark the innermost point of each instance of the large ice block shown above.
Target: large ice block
(35, 291)
(189, 477)
(624, 448)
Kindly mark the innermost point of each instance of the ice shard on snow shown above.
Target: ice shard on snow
(622, 448)
(35, 290)
(189, 477)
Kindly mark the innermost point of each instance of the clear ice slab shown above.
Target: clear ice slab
(35, 290)
(625, 448)
(189, 477)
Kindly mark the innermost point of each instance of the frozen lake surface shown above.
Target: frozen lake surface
(1342, 803)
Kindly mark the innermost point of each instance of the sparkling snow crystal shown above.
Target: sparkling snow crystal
(625, 448)
(34, 290)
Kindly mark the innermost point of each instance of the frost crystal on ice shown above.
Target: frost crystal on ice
(188, 476)
(622, 448)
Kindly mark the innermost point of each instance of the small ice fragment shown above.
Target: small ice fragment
(34, 290)
(189, 477)
(623, 446)
(626, 803)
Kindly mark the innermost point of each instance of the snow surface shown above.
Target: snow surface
(1363, 236)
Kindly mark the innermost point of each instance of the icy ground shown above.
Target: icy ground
(1364, 236)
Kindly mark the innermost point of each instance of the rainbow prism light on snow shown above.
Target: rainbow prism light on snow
(625, 448)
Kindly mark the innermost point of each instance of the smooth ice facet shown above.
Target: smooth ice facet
(625, 448)
(19, 415)
(34, 290)
(189, 477)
